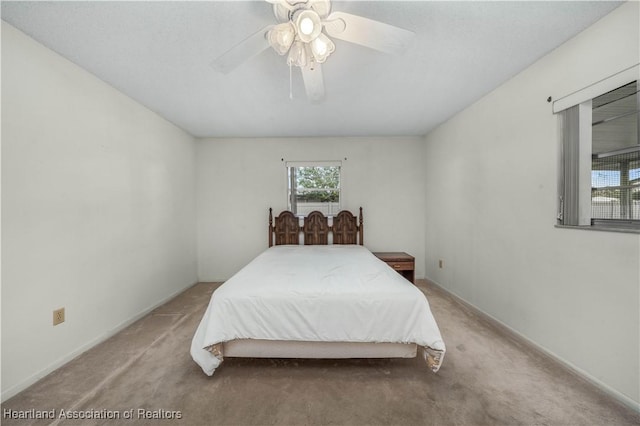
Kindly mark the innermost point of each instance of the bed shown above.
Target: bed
(317, 292)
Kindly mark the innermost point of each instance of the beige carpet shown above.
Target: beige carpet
(488, 378)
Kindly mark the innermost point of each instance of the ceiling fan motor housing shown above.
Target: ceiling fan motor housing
(285, 10)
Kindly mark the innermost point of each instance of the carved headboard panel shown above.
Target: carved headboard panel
(346, 228)
(287, 229)
(316, 229)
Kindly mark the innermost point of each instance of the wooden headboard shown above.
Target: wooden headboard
(346, 228)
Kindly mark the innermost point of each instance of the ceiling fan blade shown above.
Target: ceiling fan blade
(246, 49)
(367, 32)
(313, 82)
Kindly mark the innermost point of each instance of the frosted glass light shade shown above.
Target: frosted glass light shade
(308, 24)
(281, 37)
(322, 47)
(298, 55)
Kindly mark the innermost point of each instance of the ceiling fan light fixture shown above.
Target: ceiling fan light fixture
(281, 37)
(298, 55)
(322, 47)
(308, 25)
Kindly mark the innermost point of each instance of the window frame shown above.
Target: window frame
(327, 163)
(575, 160)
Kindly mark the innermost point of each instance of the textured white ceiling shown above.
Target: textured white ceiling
(160, 54)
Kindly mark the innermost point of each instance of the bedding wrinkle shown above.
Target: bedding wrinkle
(316, 294)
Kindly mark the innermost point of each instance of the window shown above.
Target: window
(615, 165)
(313, 186)
(600, 180)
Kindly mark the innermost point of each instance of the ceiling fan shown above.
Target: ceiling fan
(304, 34)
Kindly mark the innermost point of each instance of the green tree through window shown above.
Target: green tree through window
(314, 188)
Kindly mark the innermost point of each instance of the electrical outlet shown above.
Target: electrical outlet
(441, 263)
(58, 316)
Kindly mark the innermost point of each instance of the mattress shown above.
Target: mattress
(335, 293)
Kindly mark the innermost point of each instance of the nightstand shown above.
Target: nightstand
(402, 262)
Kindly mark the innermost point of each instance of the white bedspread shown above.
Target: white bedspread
(335, 293)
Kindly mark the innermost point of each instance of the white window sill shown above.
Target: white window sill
(606, 228)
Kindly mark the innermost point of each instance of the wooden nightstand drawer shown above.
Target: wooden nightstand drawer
(402, 262)
(402, 266)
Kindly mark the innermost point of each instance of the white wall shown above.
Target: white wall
(239, 179)
(98, 209)
(491, 207)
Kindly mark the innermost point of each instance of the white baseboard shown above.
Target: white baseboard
(14, 390)
(620, 397)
